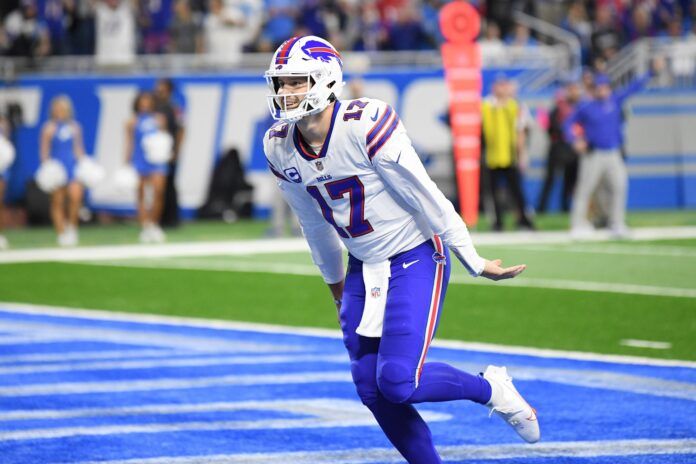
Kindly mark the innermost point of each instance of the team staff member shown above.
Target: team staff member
(4, 132)
(601, 119)
(504, 137)
(562, 157)
(165, 105)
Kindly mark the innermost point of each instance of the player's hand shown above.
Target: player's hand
(494, 271)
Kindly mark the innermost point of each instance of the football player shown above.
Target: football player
(350, 173)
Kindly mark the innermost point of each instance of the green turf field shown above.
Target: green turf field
(583, 296)
(127, 232)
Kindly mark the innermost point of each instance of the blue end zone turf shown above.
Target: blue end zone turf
(75, 388)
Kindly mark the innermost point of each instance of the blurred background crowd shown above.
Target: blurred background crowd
(117, 30)
(542, 61)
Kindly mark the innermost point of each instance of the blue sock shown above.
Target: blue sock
(407, 431)
(442, 382)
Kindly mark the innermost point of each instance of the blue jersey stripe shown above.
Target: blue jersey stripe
(377, 127)
(385, 137)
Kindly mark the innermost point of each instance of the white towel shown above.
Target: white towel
(376, 279)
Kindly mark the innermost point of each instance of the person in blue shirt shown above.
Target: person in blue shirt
(145, 121)
(61, 139)
(599, 146)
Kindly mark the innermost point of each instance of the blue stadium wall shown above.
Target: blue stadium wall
(223, 111)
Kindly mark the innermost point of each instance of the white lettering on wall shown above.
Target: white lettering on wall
(197, 156)
(115, 107)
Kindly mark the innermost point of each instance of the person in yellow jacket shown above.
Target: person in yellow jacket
(503, 122)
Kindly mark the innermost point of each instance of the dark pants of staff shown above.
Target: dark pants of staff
(512, 178)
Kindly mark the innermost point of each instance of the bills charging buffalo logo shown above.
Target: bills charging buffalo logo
(439, 258)
(321, 51)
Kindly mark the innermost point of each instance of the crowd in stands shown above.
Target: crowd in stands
(117, 30)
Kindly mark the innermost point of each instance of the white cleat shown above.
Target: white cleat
(507, 403)
(4, 244)
(146, 235)
(157, 234)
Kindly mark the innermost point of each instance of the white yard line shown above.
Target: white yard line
(88, 355)
(44, 332)
(581, 285)
(171, 363)
(574, 449)
(184, 383)
(297, 406)
(232, 248)
(609, 249)
(330, 333)
(646, 344)
(243, 247)
(310, 270)
(318, 413)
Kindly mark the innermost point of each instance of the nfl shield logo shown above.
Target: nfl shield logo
(319, 165)
(439, 258)
(375, 292)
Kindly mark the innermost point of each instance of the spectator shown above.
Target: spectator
(600, 151)
(639, 23)
(492, 47)
(153, 19)
(343, 23)
(224, 32)
(185, 30)
(606, 38)
(27, 34)
(576, 21)
(504, 140)
(389, 9)
(500, 12)
(61, 139)
(562, 157)
(311, 17)
(521, 37)
(280, 22)
(54, 13)
(115, 26)
(431, 20)
(81, 33)
(374, 34)
(165, 105)
(681, 58)
(406, 31)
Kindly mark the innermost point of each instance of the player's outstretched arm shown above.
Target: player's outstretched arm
(494, 270)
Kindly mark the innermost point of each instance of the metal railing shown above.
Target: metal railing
(634, 60)
(568, 62)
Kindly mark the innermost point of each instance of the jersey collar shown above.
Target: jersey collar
(303, 148)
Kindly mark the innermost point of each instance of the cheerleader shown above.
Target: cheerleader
(61, 140)
(152, 176)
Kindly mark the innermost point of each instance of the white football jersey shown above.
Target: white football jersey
(366, 186)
